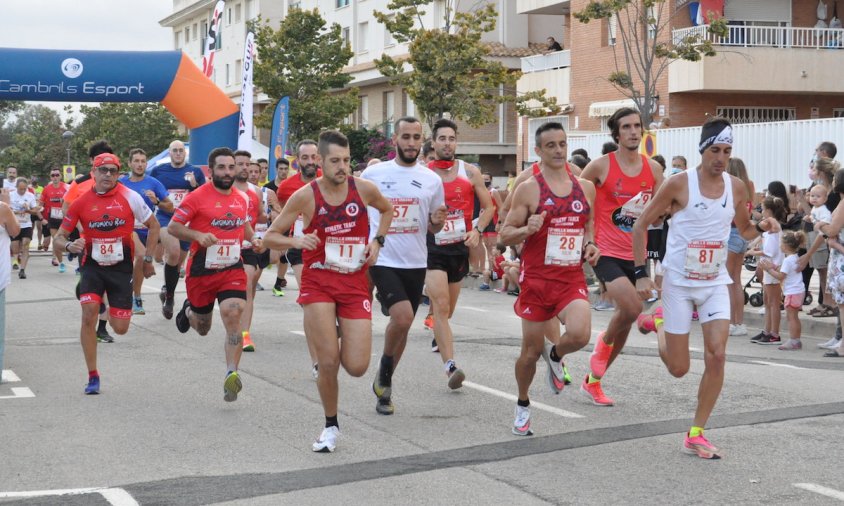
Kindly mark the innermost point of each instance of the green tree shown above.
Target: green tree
(36, 144)
(368, 143)
(303, 59)
(646, 45)
(447, 70)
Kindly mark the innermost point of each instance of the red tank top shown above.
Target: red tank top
(555, 252)
(619, 201)
(460, 200)
(343, 232)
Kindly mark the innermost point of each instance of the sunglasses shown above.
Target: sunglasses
(55, 175)
(107, 170)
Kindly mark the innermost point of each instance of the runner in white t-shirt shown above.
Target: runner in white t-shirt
(416, 194)
(24, 206)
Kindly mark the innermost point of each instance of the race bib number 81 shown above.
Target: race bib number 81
(704, 259)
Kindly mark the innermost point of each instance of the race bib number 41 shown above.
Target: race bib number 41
(223, 254)
(704, 259)
(564, 247)
(344, 254)
(107, 251)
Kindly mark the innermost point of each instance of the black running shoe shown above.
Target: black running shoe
(182, 320)
(104, 337)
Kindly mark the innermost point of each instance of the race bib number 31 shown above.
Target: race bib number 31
(453, 231)
(223, 254)
(405, 216)
(564, 247)
(704, 259)
(107, 251)
(344, 254)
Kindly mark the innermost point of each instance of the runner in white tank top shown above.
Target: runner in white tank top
(702, 203)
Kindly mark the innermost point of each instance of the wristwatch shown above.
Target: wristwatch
(147, 259)
(379, 239)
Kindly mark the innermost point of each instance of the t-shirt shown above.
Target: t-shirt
(8, 185)
(414, 192)
(177, 187)
(290, 185)
(821, 214)
(51, 199)
(497, 261)
(793, 283)
(79, 186)
(140, 187)
(19, 204)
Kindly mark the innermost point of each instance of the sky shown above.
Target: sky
(85, 24)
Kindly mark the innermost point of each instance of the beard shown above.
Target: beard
(406, 159)
(223, 183)
(309, 170)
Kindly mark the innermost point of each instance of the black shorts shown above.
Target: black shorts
(395, 285)
(259, 261)
(654, 243)
(455, 266)
(293, 256)
(53, 223)
(25, 233)
(95, 281)
(609, 269)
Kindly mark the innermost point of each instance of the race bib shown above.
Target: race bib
(405, 216)
(56, 213)
(261, 229)
(223, 254)
(453, 231)
(177, 196)
(344, 254)
(634, 207)
(298, 227)
(704, 259)
(23, 217)
(564, 246)
(107, 250)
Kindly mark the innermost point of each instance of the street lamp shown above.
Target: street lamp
(68, 136)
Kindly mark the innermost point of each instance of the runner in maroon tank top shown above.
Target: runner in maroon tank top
(552, 214)
(336, 253)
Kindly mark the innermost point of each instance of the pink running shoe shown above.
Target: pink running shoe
(595, 393)
(646, 322)
(599, 360)
(701, 447)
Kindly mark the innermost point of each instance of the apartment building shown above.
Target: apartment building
(773, 65)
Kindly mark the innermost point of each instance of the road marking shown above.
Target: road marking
(470, 308)
(297, 332)
(818, 489)
(118, 497)
(9, 376)
(19, 393)
(511, 397)
(115, 496)
(762, 362)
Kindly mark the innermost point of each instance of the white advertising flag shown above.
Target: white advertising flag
(211, 39)
(244, 133)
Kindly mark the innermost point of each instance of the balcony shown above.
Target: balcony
(551, 72)
(553, 7)
(541, 62)
(770, 59)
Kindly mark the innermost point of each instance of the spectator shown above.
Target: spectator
(579, 160)
(608, 147)
(553, 45)
(9, 228)
(496, 271)
(679, 164)
(582, 152)
(736, 248)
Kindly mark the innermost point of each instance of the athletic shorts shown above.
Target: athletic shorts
(96, 281)
(348, 292)
(609, 269)
(258, 261)
(736, 244)
(395, 285)
(204, 290)
(25, 233)
(142, 236)
(795, 300)
(713, 303)
(654, 242)
(293, 256)
(455, 266)
(541, 300)
(53, 224)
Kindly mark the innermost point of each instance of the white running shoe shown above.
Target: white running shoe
(521, 427)
(327, 441)
(831, 344)
(739, 329)
(315, 371)
(556, 375)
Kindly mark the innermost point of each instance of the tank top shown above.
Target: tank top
(343, 232)
(619, 201)
(697, 239)
(555, 251)
(459, 199)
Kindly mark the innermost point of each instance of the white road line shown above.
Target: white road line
(19, 393)
(691, 348)
(118, 497)
(470, 308)
(762, 362)
(9, 376)
(297, 332)
(115, 496)
(818, 489)
(511, 397)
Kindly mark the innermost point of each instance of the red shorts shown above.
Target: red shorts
(540, 300)
(204, 290)
(348, 292)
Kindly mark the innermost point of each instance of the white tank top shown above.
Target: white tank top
(5, 259)
(697, 239)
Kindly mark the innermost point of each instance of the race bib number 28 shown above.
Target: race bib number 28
(563, 247)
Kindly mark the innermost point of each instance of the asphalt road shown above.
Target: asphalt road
(160, 433)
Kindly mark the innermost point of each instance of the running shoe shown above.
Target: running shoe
(566, 375)
(93, 387)
(603, 305)
(435, 348)
(455, 378)
(54, 262)
(484, 287)
(429, 322)
(831, 344)
(138, 306)
(771, 339)
(182, 320)
(521, 427)
(315, 371)
(278, 292)
(166, 303)
(791, 345)
(514, 293)
(22, 274)
(646, 322)
(499, 290)
(595, 393)
(384, 405)
(695, 316)
(556, 376)
(181, 273)
(231, 386)
(739, 329)
(62, 268)
(327, 440)
(600, 357)
(248, 345)
(258, 287)
(757, 337)
(701, 447)
(104, 337)
(15, 265)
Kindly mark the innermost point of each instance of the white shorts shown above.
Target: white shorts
(713, 303)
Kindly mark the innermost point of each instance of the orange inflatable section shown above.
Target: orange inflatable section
(195, 99)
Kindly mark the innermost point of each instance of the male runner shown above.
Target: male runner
(552, 214)
(25, 206)
(277, 258)
(625, 181)
(36, 188)
(179, 178)
(51, 200)
(107, 213)
(702, 202)
(254, 179)
(214, 219)
(10, 182)
(416, 194)
(336, 253)
(490, 233)
(155, 197)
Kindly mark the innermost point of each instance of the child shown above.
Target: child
(772, 207)
(497, 271)
(792, 283)
(819, 261)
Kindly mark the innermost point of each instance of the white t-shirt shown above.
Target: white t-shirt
(17, 201)
(5, 259)
(821, 214)
(9, 185)
(793, 283)
(414, 192)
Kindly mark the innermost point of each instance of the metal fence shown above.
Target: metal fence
(767, 36)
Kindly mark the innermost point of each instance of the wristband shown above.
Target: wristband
(759, 229)
(67, 247)
(640, 272)
(588, 243)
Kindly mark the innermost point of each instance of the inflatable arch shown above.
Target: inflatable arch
(169, 77)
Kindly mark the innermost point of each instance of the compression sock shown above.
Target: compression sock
(554, 356)
(171, 278)
(695, 431)
(331, 421)
(385, 373)
(101, 327)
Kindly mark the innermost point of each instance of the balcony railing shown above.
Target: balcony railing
(540, 62)
(767, 36)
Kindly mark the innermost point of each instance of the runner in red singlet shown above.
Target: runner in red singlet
(625, 181)
(214, 218)
(51, 199)
(552, 214)
(107, 214)
(490, 233)
(336, 253)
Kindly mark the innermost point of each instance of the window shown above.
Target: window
(204, 31)
(612, 28)
(187, 35)
(229, 16)
(363, 111)
(741, 114)
(363, 33)
(838, 113)
(653, 13)
(228, 75)
(237, 13)
(177, 40)
(238, 68)
(342, 3)
(248, 10)
(389, 112)
(409, 106)
(389, 41)
(346, 36)
(535, 123)
(195, 31)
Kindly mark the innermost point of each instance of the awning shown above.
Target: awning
(604, 109)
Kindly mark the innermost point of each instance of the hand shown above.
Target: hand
(802, 262)
(258, 245)
(307, 242)
(190, 178)
(151, 196)
(645, 288)
(592, 253)
(149, 269)
(207, 240)
(438, 216)
(808, 218)
(371, 252)
(472, 238)
(535, 222)
(76, 247)
(765, 264)
(818, 226)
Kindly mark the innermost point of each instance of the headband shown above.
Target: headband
(715, 134)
